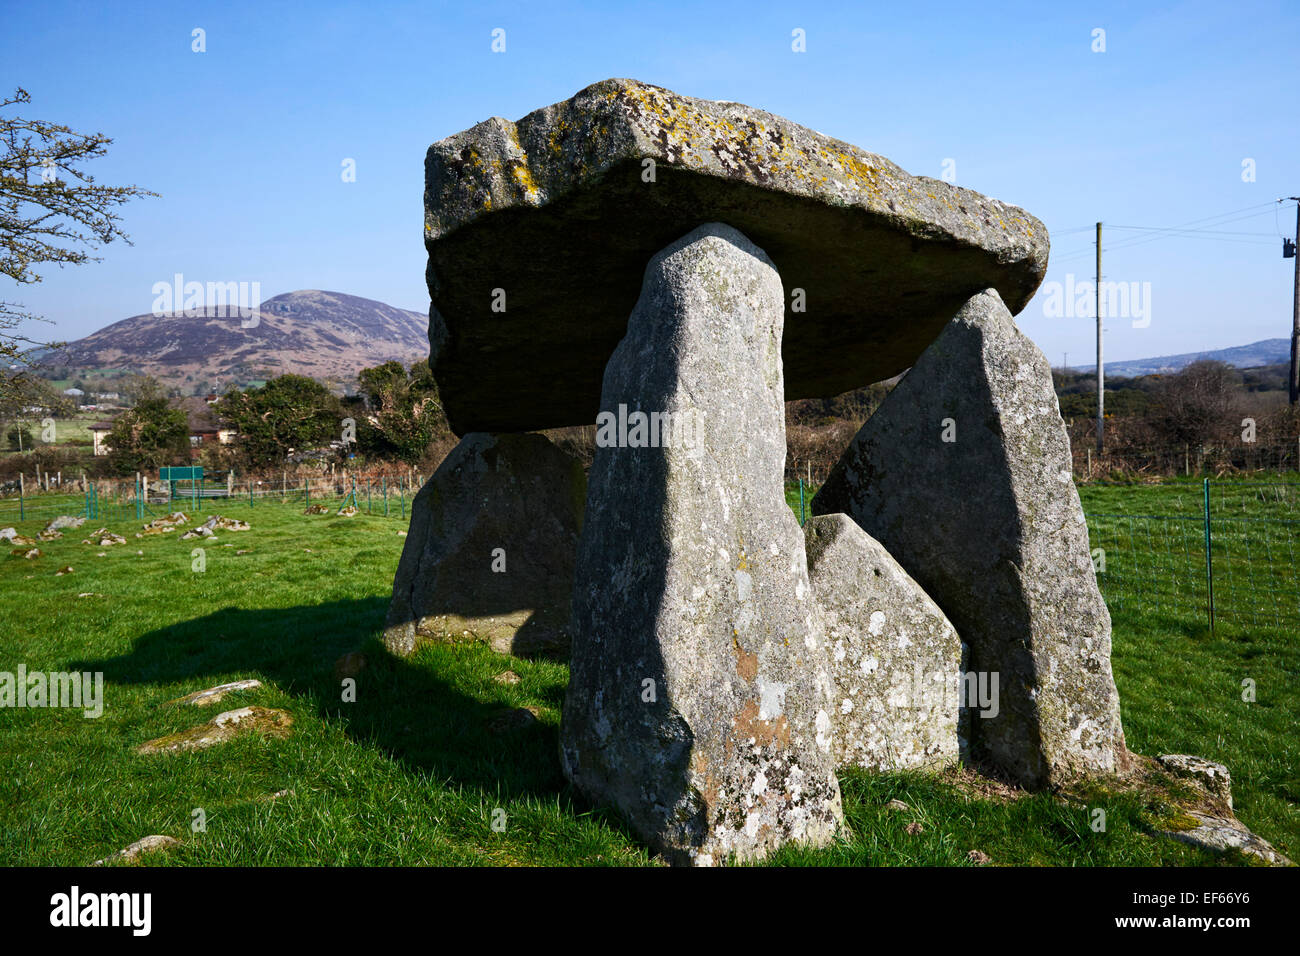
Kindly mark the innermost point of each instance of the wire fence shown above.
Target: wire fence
(143, 500)
(1224, 550)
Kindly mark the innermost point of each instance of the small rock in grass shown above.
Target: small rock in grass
(517, 719)
(507, 677)
(61, 522)
(1210, 776)
(50, 535)
(149, 844)
(242, 551)
(348, 512)
(28, 553)
(1223, 834)
(205, 698)
(897, 805)
(264, 721)
(979, 858)
(316, 510)
(349, 665)
(914, 828)
(66, 569)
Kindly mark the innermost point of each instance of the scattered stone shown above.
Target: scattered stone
(897, 804)
(199, 532)
(66, 569)
(49, 535)
(28, 553)
(269, 797)
(165, 524)
(989, 524)
(205, 698)
(21, 541)
(1211, 777)
(519, 718)
(1226, 833)
(490, 555)
(104, 538)
(222, 523)
(242, 551)
(264, 721)
(87, 594)
(348, 511)
(150, 844)
(349, 665)
(698, 693)
(507, 677)
(401, 534)
(914, 829)
(979, 857)
(886, 258)
(8, 534)
(61, 522)
(895, 661)
(316, 510)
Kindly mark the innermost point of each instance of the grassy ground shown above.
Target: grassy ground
(412, 773)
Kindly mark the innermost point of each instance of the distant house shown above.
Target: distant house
(206, 428)
(74, 392)
(98, 433)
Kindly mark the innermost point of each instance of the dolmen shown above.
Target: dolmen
(672, 270)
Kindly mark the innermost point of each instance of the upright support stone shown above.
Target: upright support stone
(963, 474)
(489, 555)
(895, 661)
(698, 691)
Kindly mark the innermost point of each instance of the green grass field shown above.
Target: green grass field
(411, 773)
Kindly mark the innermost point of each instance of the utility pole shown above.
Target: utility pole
(1295, 314)
(1101, 371)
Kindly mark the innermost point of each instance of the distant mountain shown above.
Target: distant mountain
(326, 335)
(1266, 352)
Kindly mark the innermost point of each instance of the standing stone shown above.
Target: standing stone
(490, 551)
(964, 475)
(698, 691)
(895, 661)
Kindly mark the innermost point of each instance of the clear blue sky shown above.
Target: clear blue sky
(245, 142)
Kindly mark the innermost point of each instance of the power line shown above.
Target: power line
(1185, 229)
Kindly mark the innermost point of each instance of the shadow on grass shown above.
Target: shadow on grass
(424, 722)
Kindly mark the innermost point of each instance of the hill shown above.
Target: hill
(1264, 352)
(329, 336)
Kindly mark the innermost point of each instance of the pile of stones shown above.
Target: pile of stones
(673, 270)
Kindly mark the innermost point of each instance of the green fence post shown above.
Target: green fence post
(1209, 561)
(401, 491)
(22, 513)
(250, 492)
(802, 516)
(367, 494)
